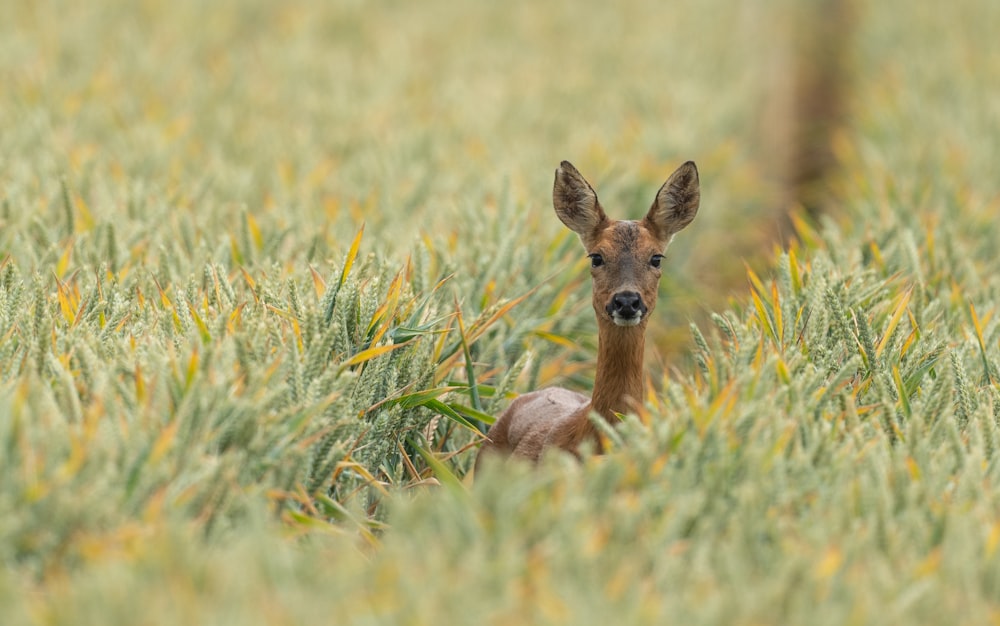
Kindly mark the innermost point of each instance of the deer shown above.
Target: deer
(625, 266)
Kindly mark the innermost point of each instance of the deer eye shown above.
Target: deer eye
(596, 260)
(655, 261)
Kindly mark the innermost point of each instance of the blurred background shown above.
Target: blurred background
(444, 121)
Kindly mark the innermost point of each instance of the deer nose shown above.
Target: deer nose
(627, 305)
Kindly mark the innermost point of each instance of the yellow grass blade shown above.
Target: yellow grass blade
(249, 280)
(67, 302)
(478, 328)
(371, 353)
(806, 233)
(206, 336)
(778, 323)
(993, 540)
(978, 325)
(877, 255)
(783, 372)
(559, 340)
(362, 471)
(897, 314)
(319, 285)
(765, 319)
(140, 385)
(829, 564)
(192, 369)
(352, 254)
(755, 280)
(382, 314)
(164, 441)
(63, 264)
(235, 318)
(913, 336)
(793, 265)
(164, 299)
(254, 228)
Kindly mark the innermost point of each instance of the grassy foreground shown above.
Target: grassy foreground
(223, 400)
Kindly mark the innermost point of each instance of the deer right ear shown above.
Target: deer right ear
(576, 203)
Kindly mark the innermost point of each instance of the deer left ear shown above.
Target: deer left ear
(676, 203)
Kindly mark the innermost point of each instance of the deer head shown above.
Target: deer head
(625, 255)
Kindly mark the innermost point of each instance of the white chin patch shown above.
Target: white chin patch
(626, 321)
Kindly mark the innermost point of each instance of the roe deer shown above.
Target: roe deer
(625, 267)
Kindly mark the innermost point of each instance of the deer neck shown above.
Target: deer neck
(618, 383)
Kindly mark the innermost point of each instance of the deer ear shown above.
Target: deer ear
(676, 203)
(576, 203)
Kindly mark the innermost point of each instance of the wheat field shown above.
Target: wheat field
(268, 270)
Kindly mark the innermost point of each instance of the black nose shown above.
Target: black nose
(626, 304)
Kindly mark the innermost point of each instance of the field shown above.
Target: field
(268, 269)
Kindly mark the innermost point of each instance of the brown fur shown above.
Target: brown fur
(556, 417)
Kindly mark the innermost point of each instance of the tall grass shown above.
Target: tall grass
(268, 271)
